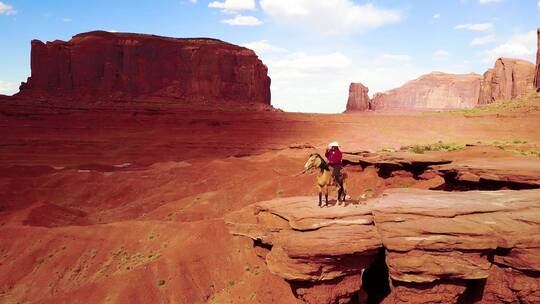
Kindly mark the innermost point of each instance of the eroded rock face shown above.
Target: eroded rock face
(358, 98)
(509, 79)
(119, 65)
(432, 91)
(441, 247)
(433, 238)
(316, 249)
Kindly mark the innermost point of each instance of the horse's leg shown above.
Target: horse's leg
(326, 194)
(320, 195)
(340, 190)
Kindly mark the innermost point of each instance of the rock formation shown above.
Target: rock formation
(459, 242)
(312, 247)
(441, 247)
(537, 76)
(121, 65)
(358, 98)
(432, 91)
(509, 79)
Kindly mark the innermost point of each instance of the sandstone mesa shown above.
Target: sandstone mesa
(108, 65)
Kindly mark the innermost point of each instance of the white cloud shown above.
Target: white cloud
(263, 46)
(67, 19)
(520, 46)
(7, 9)
(440, 54)
(193, 1)
(538, 5)
(319, 82)
(300, 64)
(233, 6)
(475, 26)
(483, 40)
(8, 87)
(436, 16)
(241, 20)
(488, 1)
(331, 17)
(395, 57)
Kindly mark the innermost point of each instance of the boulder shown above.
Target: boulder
(509, 79)
(104, 65)
(432, 91)
(358, 98)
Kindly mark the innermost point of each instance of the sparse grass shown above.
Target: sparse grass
(510, 146)
(390, 150)
(40, 260)
(280, 192)
(161, 282)
(231, 283)
(531, 153)
(440, 146)
(530, 102)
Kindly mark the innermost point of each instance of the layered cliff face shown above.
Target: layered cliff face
(432, 91)
(509, 79)
(439, 247)
(358, 98)
(117, 65)
(537, 77)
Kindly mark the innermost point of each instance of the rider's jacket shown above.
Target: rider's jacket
(334, 156)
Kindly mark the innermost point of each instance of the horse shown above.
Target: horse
(324, 178)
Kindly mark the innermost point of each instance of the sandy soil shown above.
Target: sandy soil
(113, 205)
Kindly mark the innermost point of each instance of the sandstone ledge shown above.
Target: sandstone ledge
(433, 240)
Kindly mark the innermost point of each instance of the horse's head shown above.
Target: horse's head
(314, 161)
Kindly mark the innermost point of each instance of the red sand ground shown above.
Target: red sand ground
(126, 206)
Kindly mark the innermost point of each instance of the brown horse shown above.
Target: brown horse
(324, 178)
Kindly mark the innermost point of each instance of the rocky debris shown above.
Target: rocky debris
(432, 91)
(537, 76)
(358, 98)
(312, 247)
(509, 79)
(435, 238)
(123, 65)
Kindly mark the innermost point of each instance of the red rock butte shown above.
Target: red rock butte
(432, 91)
(358, 98)
(509, 79)
(124, 65)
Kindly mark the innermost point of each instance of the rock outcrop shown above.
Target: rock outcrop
(509, 79)
(537, 76)
(312, 247)
(440, 247)
(122, 65)
(358, 98)
(432, 91)
(457, 241)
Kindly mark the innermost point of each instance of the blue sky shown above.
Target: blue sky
(313, 48)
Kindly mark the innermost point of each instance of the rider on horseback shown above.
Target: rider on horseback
(334, 157)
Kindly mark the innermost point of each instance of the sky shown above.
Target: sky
(313, 48)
